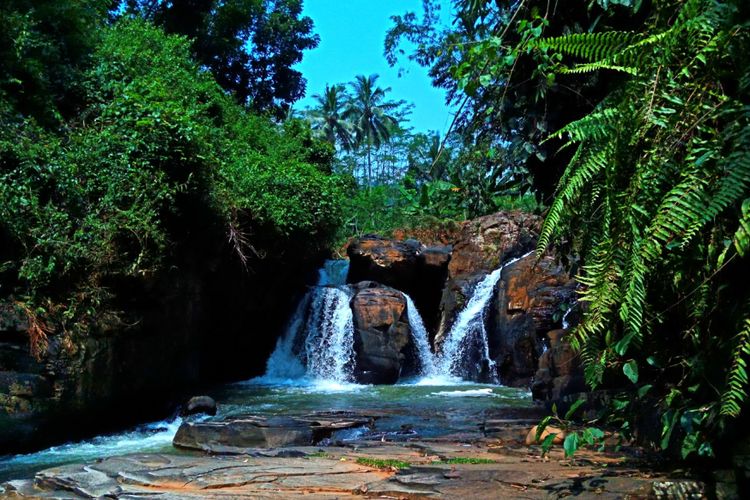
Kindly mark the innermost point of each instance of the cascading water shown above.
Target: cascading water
(420, 338)
(467, 342)
(319, 340)
(329, 344)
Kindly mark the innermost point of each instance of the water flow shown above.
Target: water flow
(329, 345)
(319, 340)
(420, 338)
(467, 342)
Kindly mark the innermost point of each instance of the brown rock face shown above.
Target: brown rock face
(381, 333)
(407, 266)
(488, 241)
(560, 373)
(529, 295)
(482, 245)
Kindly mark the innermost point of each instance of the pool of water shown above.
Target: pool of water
(410, 409)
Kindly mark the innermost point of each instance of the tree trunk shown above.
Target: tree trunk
(369, 163)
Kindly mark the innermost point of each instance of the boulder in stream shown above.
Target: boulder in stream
(199, 405)
(381, 333)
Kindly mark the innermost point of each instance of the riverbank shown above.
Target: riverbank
(411, 440)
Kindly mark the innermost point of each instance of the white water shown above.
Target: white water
(420, 338)
(470, 328)
(329, 345)
(319, 341)
(143, 439)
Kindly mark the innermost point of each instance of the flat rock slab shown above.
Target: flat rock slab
(424, 469)
(240, 435)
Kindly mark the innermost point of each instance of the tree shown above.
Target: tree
(328, 120)
(250, 46)
(505, 98)
(44, 48)
(372, 115)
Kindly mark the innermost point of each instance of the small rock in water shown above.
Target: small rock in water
(199, 405)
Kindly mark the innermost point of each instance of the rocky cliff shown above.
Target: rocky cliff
(205, 320)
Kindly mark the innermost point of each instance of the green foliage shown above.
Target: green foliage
(575, 436)
(158, 151)
(383, 463)
(654, 201)
(250, 46)
(465, 460)
(501, 64)
(44, 47)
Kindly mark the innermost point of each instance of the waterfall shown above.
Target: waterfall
(319, 339)
(333, 273)
(467, 341)
(420, 338)
(329, 346)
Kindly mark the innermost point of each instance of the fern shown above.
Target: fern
(735, 393)
(656, 200)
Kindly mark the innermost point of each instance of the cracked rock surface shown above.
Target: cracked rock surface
(490, 464)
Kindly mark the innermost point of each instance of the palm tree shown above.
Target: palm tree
(327, 117)
(371, 114)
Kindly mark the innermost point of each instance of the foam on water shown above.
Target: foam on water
(150, 437)
(472, 393)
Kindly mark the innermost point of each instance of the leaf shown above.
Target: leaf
(542, 425)
(643, 390)
(571, 443)
(573, 408)
(547, 443)
(630, 369)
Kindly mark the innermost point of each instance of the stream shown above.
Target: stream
(310, 371)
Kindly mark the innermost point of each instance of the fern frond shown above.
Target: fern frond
(588, 46)
(735, 393)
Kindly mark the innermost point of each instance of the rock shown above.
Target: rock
(528, 295)
(381, 333)
(200, 405)
(558, 439)
(242, 434)
(482, 245)
(407, 266)
(486, 242)
(560, 373)
(155, 337)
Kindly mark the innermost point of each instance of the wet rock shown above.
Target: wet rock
(241, 434)
(199, 405)
(482, 245)
(527, 304)
(408, 266)
(486, 242)
(381, 333)
(238, 434)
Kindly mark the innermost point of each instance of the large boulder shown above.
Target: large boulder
(527, 305)
(382, 337)
(408, 266)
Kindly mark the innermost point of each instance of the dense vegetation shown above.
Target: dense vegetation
(639, 113)
(115, 144)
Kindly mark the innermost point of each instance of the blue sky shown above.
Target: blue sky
(351, 43)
